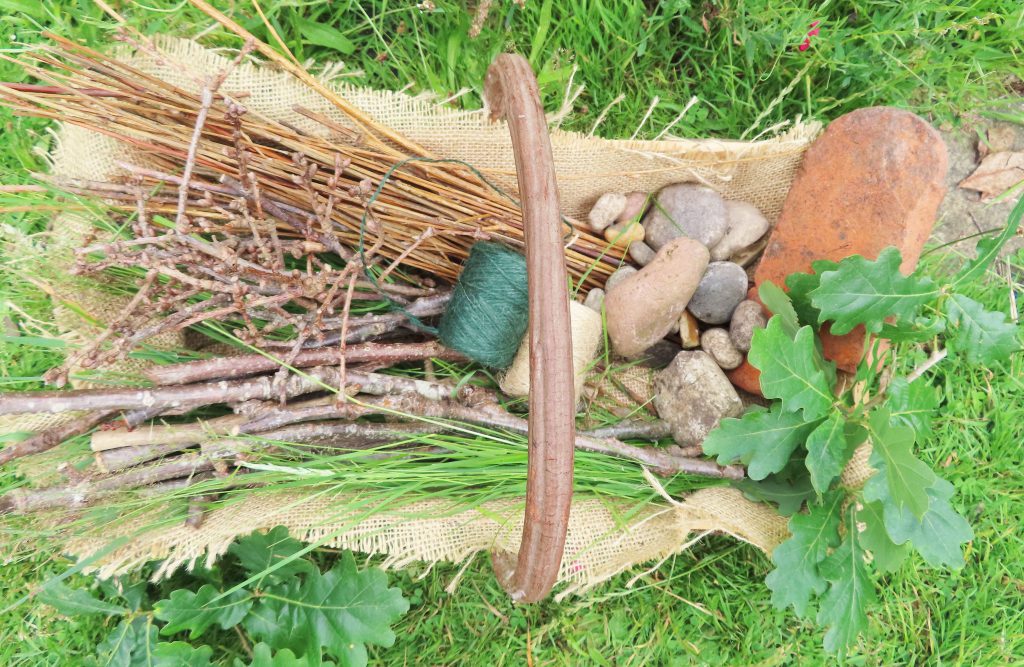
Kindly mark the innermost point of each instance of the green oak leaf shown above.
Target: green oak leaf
(860, 291)
(264, 656)
(800, 286)
(181, 654)
(851, 591)
(902, 478)
(763, 440)
(129, 644)
(919, 330)
(827, 451)
(258, 553)
(988, 249)
(789, 489)
(887, 555)
(856, 435)
(76, 601)
(980, 336)
(938, 535)
(912, 404)
(196, 612)
(778, 304)
(795, 579)
(341, 611)
(132, 591)
(791, 369)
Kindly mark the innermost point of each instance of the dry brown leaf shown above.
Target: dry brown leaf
(996, 174)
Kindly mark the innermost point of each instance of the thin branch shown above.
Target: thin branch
(661, 461)
(197, 508)
(263, 388)
(79, 495)
(206, 101)
(341, 435)
(51, 437)
(646, 430)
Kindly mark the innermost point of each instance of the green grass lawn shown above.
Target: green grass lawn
(950, 62)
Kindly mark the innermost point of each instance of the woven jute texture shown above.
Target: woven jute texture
(600, 544)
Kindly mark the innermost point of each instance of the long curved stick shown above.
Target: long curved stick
(511, 91)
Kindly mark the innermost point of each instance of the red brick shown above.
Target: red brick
(875, 178)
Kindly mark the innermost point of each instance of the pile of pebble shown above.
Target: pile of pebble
(686, 310)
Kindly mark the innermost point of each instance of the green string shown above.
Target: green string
(488, 314)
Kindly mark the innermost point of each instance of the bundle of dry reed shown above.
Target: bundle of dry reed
(224, 170)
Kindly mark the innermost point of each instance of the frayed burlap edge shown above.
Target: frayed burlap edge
(598, 546)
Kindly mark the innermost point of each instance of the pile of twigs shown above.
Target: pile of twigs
(305, 409)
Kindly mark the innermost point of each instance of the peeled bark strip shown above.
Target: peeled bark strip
(122, 458)
(511, 89)
(342, 435)
(170, 434)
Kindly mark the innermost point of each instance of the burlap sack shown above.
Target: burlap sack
(599, 544)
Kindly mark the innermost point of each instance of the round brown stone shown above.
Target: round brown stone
(641, 309)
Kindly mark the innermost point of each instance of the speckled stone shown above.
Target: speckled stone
(746, 319)
(694, 395)
(717, 343)
(617, 277)
(721, 289)
(746, 225)
(606, 209)
(641, 253)
(595, 299)
(636, 205)
(686, 210)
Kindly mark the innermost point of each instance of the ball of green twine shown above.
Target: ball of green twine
(488, 314)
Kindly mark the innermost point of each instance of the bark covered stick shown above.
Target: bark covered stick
(646, 430)
(323, 378)
(663, 461)
(326, 435)
(198, 506)
(74, 496)
(291, 425)
(227, 368)
(48, 439)
(51, 437)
